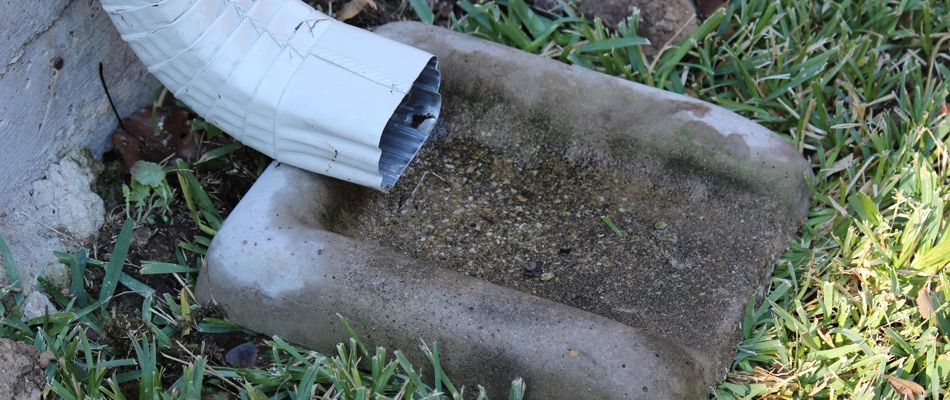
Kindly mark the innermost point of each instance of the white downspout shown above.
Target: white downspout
(290, 81)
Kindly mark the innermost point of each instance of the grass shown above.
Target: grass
(100, 352)
(857, 307)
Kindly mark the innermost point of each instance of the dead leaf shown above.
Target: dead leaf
(924, 304)
(352, 8)
(138, 140)
(907, 389)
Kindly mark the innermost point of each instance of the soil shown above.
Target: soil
(538, 223)
(159, 240)
(22, 374)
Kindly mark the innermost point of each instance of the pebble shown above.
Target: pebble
(242, 356)
(141, 236)
(533, 269)
(46, 357)
(534, 265)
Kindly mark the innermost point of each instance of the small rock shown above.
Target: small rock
(534, 265)
(533, 269)
(140, 236)
(547, 276)
(242, 356)
(661, 22)
(36, 305)
(46, 357)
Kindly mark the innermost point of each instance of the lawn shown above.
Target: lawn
(856, 308)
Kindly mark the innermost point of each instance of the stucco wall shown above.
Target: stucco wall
(48, 106)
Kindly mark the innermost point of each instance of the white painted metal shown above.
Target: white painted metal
(290, 81)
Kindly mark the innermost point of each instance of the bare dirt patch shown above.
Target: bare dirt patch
(22, 374)
(160, 240)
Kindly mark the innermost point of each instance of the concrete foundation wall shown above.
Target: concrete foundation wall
(51, 100)
(52, 106)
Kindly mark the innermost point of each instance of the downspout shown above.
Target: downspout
(291, 82)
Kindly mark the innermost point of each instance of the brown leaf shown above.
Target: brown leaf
(907, 389)
(139, 141)
(352, 8)
(924, 303)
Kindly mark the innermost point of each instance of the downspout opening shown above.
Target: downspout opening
(410, 125)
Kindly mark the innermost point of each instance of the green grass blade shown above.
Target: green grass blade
(197, 200)
(517, 389)
(423, 11)
(440, 377)
(53, 318)
(114, 267)
(283, 345)
(353, 335)
(134, 285)
(53, 292)
(307, 381)
(16, 323)
(11, 270)
(613, 44)
(156, 267)
(77, 271)
(218, 152)
(612, 226)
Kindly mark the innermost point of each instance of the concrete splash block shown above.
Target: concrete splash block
(706, 199)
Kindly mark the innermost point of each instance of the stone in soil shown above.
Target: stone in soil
(242, 356)
(661, 22)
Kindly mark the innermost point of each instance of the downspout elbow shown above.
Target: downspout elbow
(290, 82)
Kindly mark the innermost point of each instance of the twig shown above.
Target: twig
(185, 286)
(409, 200)
(666, 46)
(43, 224)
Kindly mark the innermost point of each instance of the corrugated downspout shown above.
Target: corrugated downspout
(290, 81)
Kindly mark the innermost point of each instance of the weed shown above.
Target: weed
(148, 192)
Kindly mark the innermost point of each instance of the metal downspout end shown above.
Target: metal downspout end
(410, 125)
(290, 82)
